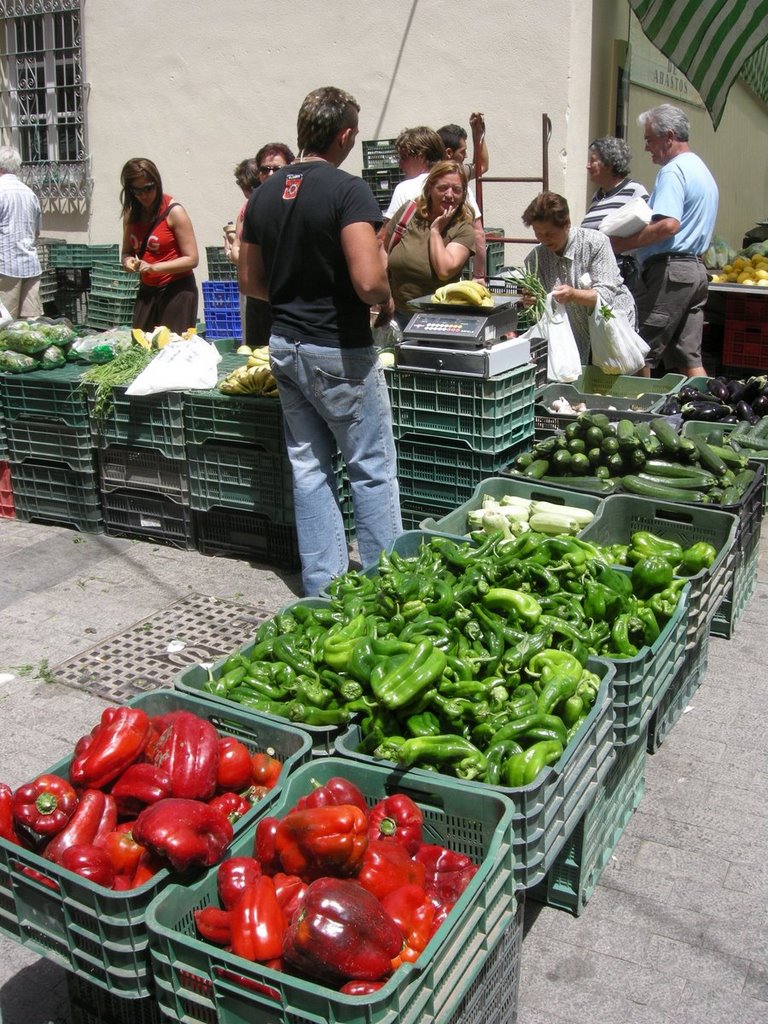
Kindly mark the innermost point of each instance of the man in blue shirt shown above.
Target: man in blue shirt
(672, 291)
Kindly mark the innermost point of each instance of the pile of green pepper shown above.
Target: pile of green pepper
(470, 659)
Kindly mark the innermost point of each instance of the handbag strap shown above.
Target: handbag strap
(402, 224)
(160, 217)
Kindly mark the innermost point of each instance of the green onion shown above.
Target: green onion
(124, 368)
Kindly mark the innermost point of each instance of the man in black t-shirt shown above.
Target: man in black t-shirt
(310, 248)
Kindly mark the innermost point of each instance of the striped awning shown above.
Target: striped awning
(708, 41)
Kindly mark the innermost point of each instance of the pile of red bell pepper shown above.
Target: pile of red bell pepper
(337, 891)
(143, 793)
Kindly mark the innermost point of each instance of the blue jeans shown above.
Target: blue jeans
(333, 398)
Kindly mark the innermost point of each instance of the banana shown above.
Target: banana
(470, 293)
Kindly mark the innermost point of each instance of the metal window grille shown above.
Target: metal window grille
(43, 94)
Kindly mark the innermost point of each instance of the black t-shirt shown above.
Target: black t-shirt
(296, 217)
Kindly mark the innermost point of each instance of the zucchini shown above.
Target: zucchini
(609, 445)
(709, 459)
(561, 461)
(687, 452)
(625, 432)
(666, 433)
(715, 436)
(686, 484)
(537, 469)
(584, 483)
(576, 446)
(674, 471)
(662, 492)
(594, 419)
(579, 464)
(593, 437)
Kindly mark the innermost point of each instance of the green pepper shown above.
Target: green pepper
(651, 574)
(288, 650)
(697, 557)
(495, 757)
(424, 724)
(620, 635)
(312, 692)
(465, 759)
(573, 709)
(560, 675)
(523, 725)
(647, 616)
(619, 582)
(664, 603)
(341, 640)
(522, 769)
(266, 631)
(306, 714)
(515, 603)
(401, 684)
(647, 545)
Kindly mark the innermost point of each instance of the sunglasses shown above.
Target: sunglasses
(269, 170)
(143, 190)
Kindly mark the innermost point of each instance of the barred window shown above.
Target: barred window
(42, 94)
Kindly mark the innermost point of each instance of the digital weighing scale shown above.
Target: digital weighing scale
(464, 340)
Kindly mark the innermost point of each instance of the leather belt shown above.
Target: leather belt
(665, 257)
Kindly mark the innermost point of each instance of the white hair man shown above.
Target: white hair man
(19, 227)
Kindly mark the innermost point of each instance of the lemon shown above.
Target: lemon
(762, 274)
(763, 283)
(728, 269)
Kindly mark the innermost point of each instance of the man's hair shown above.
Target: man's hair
(666, 118)
(323, 114)
(614, 153)
(421, 142)
(10, 160)
(275, 149)
(452, 135)
(247, 174)
(547, 206)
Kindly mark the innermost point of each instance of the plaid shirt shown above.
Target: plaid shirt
(19, 226)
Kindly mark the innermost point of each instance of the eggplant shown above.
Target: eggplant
(687, 393)
(709, 411)
(760, 405)
(718, 389)
(744, 412)
(729, 419)
(749, 390)
(735, 387)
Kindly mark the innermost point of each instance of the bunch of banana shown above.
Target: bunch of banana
(463, 293)
(250, 380)
(259, 356)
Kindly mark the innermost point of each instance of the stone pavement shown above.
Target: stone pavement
(676, 931)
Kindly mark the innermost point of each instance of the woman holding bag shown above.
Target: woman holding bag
(577, 265)
(158, 243)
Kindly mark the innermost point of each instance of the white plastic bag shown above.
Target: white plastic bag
(630, 218)
(5, 316)
(616, 346)
(180, 366)
(563, 359)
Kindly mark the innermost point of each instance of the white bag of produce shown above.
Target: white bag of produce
(628, 219)
(180, 366)
(563, 359)
(616, 346)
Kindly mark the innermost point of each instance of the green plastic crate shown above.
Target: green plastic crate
(241, 534)
(79, 255)
(109, 281)
(630, 408)
(228, 419)
(549, 809)
(696, 428)
(193, 679)
(621, 515)
(219, 267)
(198, 982)
(594, 381)
(486, 414)
(140, 421)
(52, 442)
(141, 469)
(51, 493)
(572, 879)
(101, 933)
(245, 477)
(672, 705)
(145, 515)
(104, 313)
(45, 395)
(729, 613)
(89, 1004)
(455, 522)
(448, 473)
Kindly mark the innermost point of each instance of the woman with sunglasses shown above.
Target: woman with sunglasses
(158, 243)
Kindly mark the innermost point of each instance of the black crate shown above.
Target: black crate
(148, 516)
(228, 531)
(379, 153)
(46, 492)
(141, 469)
(219, 267)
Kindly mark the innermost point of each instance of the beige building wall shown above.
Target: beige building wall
(198, 85)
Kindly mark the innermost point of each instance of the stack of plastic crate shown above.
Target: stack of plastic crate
(221, 300)
(381, 169)
(112, 296)
(73, 264)
(452, 432)
(142, 466)
(49, 448)
(48, 278)
(219, 267)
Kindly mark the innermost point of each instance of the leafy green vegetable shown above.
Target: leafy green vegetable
(123, 369)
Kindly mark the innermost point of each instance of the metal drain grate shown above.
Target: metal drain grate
(139, 660)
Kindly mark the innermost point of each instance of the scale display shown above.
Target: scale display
(446, 324)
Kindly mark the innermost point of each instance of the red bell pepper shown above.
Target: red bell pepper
(234, 769)
(386, 867)
(264, 845)
(148, 866)
(94, 818)
(341, 932)
(215, 925)
(187, 833)
(414, 914)
(265, 770)
(335, 791)
(322, 841)
(45, 805)
(138, 786)
(89, 861)
(361, 988)
(396, 819)
(232, 805)
(448, 873)
(289, 890)
(7, 826)
(123, 850)
(188, 751)
(233, 877)
(117, 741)
(258, 923)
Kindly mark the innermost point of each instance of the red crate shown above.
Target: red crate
(738, 307)
(7, 509)
(746, 344)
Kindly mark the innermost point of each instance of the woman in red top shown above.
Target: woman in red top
(159, 243)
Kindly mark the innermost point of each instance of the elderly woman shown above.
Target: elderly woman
(429, 240)
(608, 168)
(576, 264)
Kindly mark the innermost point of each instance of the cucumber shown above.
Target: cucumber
(709, 459)
(715, 436)
(751, 441)
(666, 433)
(674, 471)
(662, 492)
